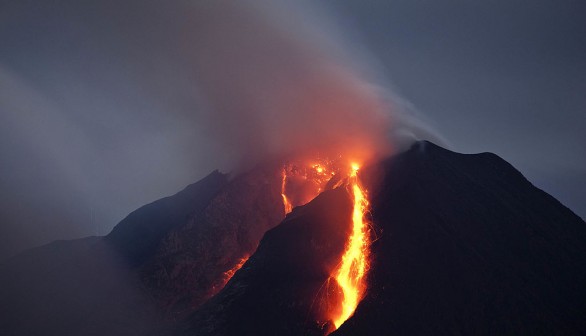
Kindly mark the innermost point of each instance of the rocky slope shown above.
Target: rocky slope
(157, 265)
(463, 244)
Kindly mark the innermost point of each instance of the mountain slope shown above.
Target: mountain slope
(469, 246)
(90, 286)
(464, 245)
(162, 261)
(283, 289)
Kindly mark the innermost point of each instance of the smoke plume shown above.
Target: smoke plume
(108, 105)
(275, 83)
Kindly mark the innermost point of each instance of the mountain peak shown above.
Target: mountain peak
(462, 244)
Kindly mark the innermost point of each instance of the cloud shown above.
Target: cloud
(108, 105)
(274, 84)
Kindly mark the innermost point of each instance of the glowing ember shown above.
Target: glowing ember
(352, 270)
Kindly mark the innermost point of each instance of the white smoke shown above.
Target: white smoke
(275, 82)
(107, 105)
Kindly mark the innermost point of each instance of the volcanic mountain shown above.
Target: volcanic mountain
(461, 244)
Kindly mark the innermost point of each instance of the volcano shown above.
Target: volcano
(460, 244)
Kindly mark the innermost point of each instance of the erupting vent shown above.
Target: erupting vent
(303, 181)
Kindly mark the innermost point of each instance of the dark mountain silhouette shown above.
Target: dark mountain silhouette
(158, 264)
(469, 246)
(283, 289)
(464, 244)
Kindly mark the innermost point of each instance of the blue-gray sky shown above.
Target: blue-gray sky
(502, 76)
(101, 106)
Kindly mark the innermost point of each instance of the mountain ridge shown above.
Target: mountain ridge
(464, 244)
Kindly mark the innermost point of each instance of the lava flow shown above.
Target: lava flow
(350, 275)
(286, 203)
(308, 180)
(353, 266)
(229, 273)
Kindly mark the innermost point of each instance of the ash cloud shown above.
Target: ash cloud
(276, 82)
(108, 105)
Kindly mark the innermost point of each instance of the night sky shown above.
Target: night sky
(103, 109)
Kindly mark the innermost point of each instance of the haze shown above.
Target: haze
(103, 110)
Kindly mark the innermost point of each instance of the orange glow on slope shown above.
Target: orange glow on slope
(288, 206)
(227, 275)
(352, 270)
(230, 273)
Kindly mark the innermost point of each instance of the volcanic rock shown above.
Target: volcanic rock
(157, 265)
(285, 287)
(469, 247)
(462, 244)
(190, 262)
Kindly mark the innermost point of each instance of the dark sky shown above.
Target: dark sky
(100, 108)
(502, 76)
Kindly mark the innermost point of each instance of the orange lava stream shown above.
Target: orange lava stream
(350, 274)
(288, 206)
(230, 273)
(352, 270)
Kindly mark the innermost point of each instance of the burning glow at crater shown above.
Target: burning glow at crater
(230, 273)
(352, 270)
(302, 181)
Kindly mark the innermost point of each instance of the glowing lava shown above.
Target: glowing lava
(286, 203)
(230, 273)
(352, 270)
(227, 275)
(350, 274)
(302, 181)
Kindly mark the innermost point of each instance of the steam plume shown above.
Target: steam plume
(275, 84)
(108, 105)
